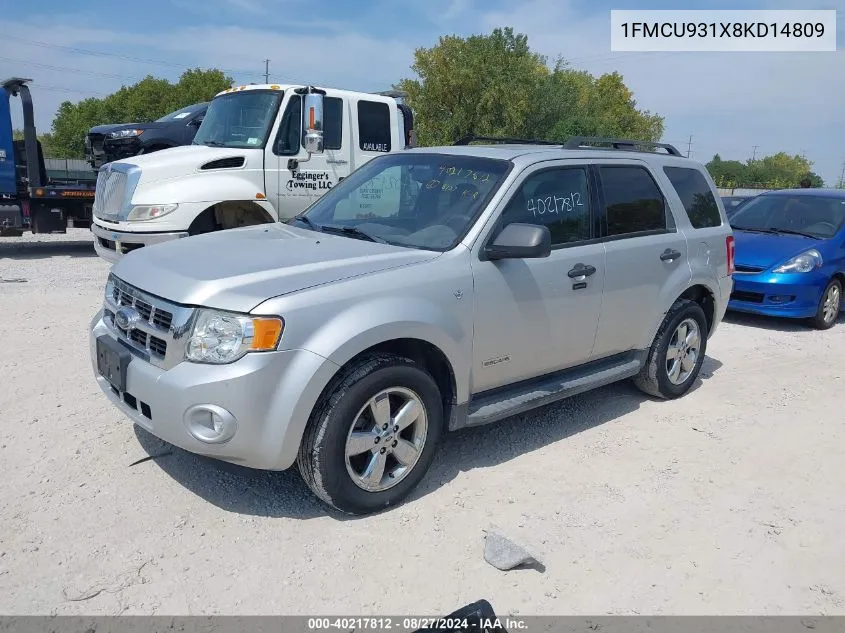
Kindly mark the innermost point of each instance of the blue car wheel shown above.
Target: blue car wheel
(829, 305)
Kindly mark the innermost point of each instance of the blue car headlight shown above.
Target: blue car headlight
(806, 262)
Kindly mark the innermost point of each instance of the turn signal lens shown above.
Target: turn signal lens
(266, 333)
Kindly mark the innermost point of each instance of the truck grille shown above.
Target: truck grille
(159, 327)
(110, 192)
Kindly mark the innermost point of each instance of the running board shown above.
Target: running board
(495, 405)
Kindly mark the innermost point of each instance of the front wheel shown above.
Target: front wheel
(373, 435)
(677, 352)
(829, 305)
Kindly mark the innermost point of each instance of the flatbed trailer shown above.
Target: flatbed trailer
(29, 200)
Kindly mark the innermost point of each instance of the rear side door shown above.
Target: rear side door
(646, 256)
(292, 190)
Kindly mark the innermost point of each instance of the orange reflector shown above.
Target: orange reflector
(266, 332)
(275, 87)
(260, 196)
(312, 118)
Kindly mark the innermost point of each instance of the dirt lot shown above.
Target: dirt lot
(726, 501)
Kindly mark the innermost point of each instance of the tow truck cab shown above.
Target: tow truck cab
(263, 153)
(27, 197)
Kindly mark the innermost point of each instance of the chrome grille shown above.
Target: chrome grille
(158, 333)
(110, 192)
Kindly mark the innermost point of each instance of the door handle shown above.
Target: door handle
(582, 271)
(336, 161)
(669, 255)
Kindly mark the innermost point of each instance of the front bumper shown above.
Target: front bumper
(269, 395)
(794, 295)
(112, 245)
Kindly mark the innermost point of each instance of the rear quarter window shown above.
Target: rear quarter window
(696, 196)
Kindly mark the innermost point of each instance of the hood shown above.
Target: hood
(238, 269)
(764, 250)
(113, 127)
(175, 162)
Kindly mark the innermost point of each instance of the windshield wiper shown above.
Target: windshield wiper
(791, 232)
(751, 230)
(214, 143)
(307, 220)
(353, 230)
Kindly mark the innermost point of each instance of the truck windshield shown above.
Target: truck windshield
(239, 120)
(419, 200)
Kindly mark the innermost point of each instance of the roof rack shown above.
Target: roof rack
(592, 142)
(469, 138)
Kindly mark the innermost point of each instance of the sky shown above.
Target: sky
(734, 104)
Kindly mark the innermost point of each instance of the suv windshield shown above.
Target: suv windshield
(812, 215)
(239, 120)
(184, 113)
(426, 201)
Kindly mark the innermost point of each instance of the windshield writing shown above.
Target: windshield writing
(239, 120)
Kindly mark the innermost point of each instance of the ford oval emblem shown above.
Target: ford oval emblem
(126, 318)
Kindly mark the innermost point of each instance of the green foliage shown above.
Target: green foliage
(45, 139)
(778, 171)
(494, 85)
(147, 100)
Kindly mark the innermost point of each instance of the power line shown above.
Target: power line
(67, 69)
(140, 60)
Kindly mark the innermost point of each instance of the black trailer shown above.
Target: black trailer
(28, 198)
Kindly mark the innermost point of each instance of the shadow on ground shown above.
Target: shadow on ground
(41, 250)
(284, 494)
(773, 323)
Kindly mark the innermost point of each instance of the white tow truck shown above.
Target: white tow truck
(262, 154)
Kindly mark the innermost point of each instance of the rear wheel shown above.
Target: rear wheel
(829, 306)
(373, 435)
(677, 352)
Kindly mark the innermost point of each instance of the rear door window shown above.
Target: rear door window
(374, 126)
(634, 203)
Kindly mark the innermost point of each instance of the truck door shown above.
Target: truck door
(292, 190)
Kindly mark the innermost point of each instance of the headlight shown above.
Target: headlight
(142, 212)
(224, 337)
(805, 262)
(125, 133)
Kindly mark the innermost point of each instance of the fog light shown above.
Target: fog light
(210, 424)
(780, 298)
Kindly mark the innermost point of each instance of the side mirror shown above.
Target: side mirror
(312, 122)
(196, 122)
(521, 241)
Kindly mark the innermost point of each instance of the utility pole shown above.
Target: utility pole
(754, 155)
(689, 145)
(266, 71)
(842, 177)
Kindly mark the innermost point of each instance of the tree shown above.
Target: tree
(494, 85)
(46, 141)
(147, 100)
(777, 171)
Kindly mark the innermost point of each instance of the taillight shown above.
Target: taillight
(25, 208)
(729, 247)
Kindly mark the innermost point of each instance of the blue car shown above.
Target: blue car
(789, 255)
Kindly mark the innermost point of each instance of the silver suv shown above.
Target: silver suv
(431, 290)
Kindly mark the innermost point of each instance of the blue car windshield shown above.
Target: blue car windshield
(816, 216)
(418, 200)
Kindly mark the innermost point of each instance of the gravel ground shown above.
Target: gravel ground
(727, 501)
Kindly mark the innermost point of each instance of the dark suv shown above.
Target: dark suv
(105, 143)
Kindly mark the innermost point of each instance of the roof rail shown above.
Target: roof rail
(469, 138)
(581, 142)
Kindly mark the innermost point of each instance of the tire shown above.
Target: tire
(654, 378)
(827, 315)
(322, 460)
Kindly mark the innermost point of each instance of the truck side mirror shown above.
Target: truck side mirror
(312, 122)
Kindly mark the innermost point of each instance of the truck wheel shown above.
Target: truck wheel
(829, 305)
(372, 435)
(677, 352)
